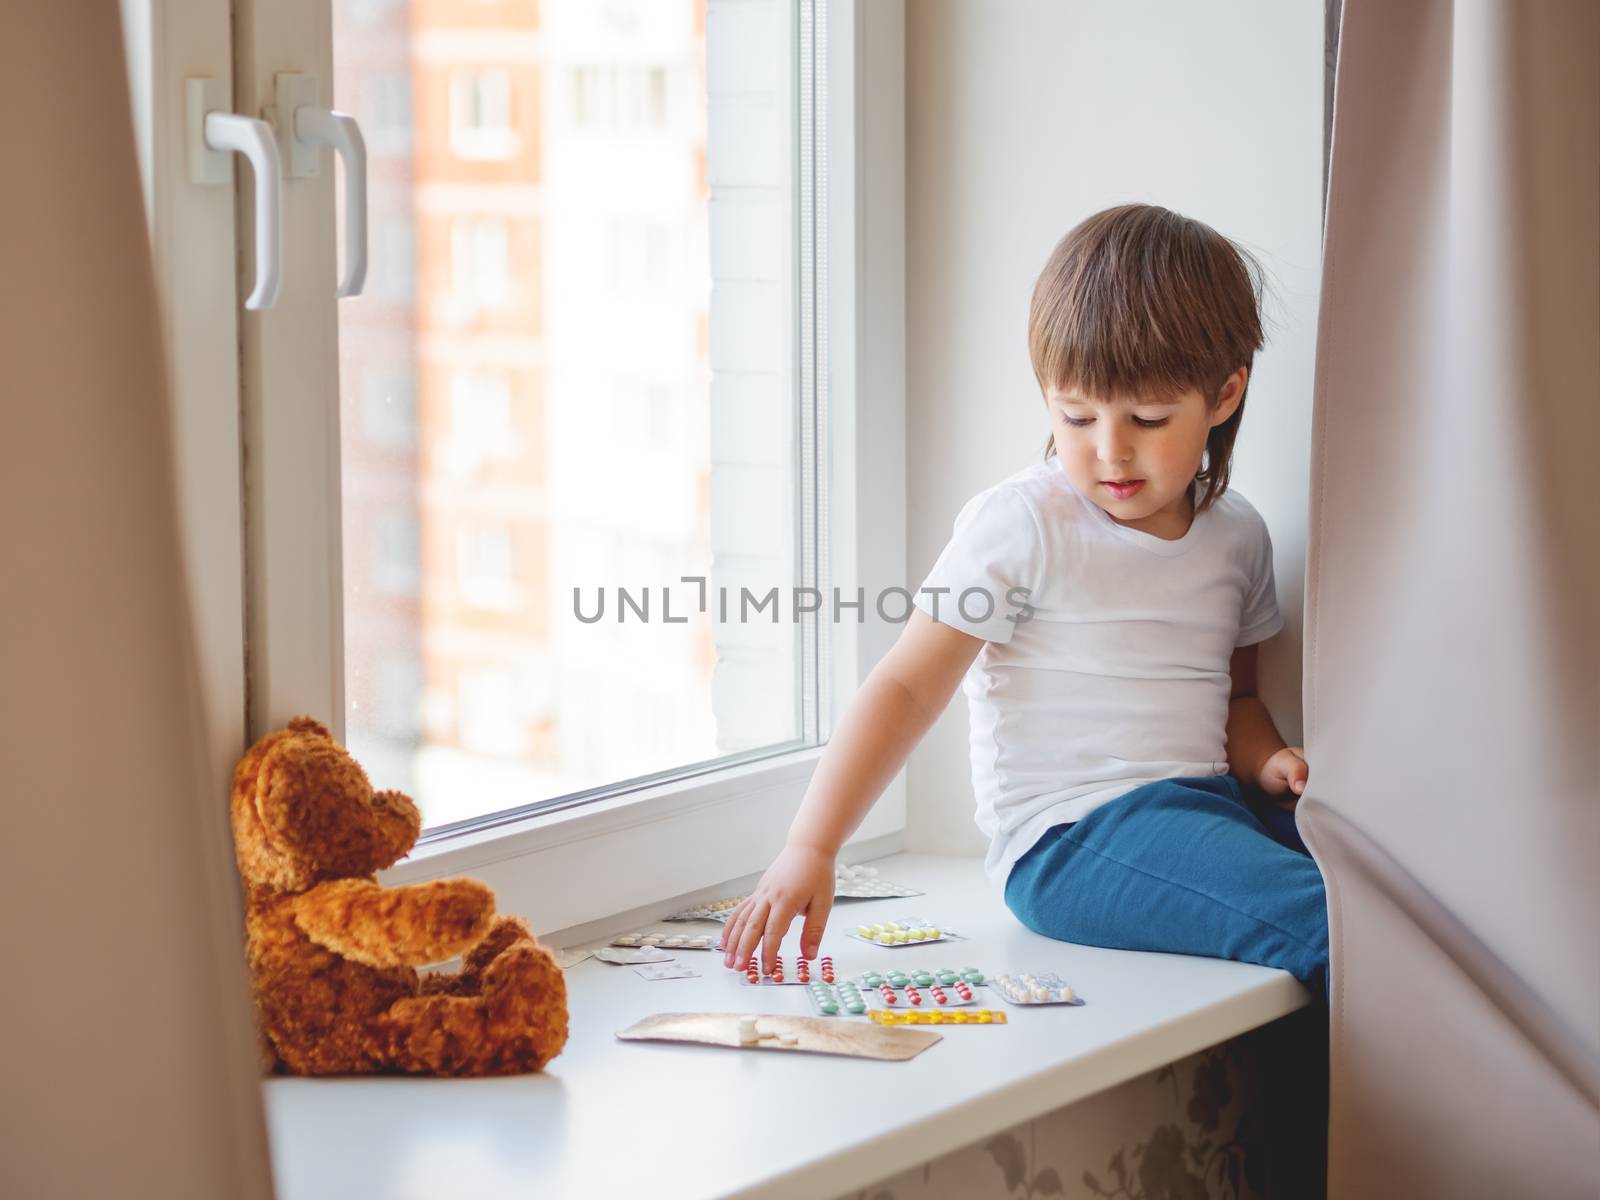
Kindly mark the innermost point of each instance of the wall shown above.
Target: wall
(1232, 1122)
(1022, 119)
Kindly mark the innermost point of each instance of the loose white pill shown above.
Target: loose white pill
(747, 1031)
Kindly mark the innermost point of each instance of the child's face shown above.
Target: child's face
(1158, 442)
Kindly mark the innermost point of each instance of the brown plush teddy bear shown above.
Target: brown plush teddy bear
(332, 954)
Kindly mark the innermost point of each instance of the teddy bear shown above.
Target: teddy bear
(333, 955)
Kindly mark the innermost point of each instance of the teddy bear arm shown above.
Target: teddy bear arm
(392, 927)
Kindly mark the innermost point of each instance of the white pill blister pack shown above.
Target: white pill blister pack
(862, 883)
(1044, 988)
(667, 941)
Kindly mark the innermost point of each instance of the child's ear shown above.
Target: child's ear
(1230, 396)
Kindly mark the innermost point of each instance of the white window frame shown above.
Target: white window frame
(559, 867)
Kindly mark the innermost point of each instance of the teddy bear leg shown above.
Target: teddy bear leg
(518, 1023)
(525, 1000)
(506, 931)
(468, 981)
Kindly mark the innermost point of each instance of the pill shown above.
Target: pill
(898, 979)
(893, 926)
(947, 977)
(1068, 995)
(865, 930)
(747, 1031)
(672, 941)
(961, 1018)
(983, 1016)
(923, 978)
(939, 997)
(972, 974)
(913, 995)
(855, 1007)
(788, 1039)
(829, 1008)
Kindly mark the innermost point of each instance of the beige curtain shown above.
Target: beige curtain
(1451, 669)
(129, 1063)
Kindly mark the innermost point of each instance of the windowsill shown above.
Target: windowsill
(609, 1118)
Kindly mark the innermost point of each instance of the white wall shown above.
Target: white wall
(1022, 118)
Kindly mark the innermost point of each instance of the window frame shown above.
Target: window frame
(697, 831)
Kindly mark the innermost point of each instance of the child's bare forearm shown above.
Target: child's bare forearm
(871, 742)
(1252, 738)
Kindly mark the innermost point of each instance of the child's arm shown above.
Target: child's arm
(1256, 750)
(900, 699)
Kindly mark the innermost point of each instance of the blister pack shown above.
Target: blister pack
(903, 931)
(922, 988)
(835, 1001)
(1043, 988)
(938, 1016)
(801, 972)
(667, 941)
(862, 883)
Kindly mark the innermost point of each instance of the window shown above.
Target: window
(638, 259)
(541, 280)
(618, 98)
(394, 554)
(482, 428)
(480, 114)
(486, 567)
(386, 98)
(480, 255)
(389, 408)
(392, 269)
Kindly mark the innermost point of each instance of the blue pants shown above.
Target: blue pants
(1185, 866)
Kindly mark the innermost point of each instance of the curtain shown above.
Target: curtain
(1451, 704)
(130, 1060)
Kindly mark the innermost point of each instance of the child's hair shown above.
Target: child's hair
(1138, 300)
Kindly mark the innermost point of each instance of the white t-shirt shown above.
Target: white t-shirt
(1112, 670)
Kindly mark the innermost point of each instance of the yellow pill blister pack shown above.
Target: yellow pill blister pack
(906, 931)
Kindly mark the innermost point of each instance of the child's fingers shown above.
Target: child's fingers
(816, 920)
(749, 932)
(731, 929)
(778, 918)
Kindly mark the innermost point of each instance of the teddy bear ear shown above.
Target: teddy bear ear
(309, 725)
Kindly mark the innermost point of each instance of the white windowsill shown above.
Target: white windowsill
(609, 1118)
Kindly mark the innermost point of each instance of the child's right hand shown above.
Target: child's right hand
(799, 881)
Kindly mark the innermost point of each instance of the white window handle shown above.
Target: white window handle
(325, 127)
(213, 135)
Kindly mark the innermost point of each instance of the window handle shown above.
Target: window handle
(214, 134)
(326, 127)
